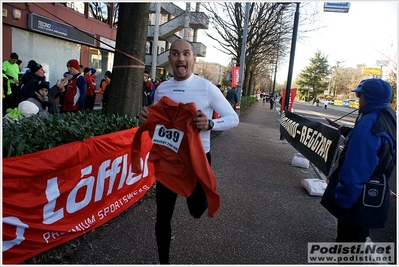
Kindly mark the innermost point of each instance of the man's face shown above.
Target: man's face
(362, 103)
(145, 77)
(13, 60)
(182, 60)
(40, 72)
(43, 92)
(72, 70)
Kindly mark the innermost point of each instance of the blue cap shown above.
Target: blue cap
(68, 75)
(375, 91)
(93, 70)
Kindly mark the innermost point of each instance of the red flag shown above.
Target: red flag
(292, 97)
(235, 75)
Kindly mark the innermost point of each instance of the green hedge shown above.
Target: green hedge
(34, 134)
(246, 102)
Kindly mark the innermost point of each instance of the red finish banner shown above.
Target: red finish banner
(58, 194)
(292, 97)
(235, 75)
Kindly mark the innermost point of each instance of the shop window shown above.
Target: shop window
(102, 61)
(148, 48)
(151, 19)
(52, 53)
(164, 19)
(99, 11)
(95, 59)
(76, 6)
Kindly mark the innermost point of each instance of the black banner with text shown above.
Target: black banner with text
(316, 141)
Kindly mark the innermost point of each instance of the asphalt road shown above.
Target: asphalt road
(266, 216)
(318, 113)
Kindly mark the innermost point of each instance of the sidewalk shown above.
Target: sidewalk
(266, 216)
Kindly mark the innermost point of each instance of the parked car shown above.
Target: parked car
(345, 103)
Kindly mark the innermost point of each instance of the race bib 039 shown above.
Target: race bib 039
(170, 138)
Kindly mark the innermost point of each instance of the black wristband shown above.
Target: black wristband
(210, 125)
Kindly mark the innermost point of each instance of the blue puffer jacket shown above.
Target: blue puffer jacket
(370, 150)
(361, 156)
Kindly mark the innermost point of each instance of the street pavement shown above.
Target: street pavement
(266, 216)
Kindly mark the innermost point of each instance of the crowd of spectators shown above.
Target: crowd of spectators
(75, 91)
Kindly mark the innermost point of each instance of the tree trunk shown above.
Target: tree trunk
(126, 92)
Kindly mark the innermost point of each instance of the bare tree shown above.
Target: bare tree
(99, 11)
(267, 26)
(125, 96)
(211, 71)
(269, 33)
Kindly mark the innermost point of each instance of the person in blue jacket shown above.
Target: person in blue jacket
(369, 154)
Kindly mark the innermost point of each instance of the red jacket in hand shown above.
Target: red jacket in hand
(177, 152)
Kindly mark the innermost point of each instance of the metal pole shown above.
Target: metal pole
(242, 59)
(275, 74)
(270, 84)
(271, 99)
(292, 56)
(187, 21)
(155, 42)
(291, 65)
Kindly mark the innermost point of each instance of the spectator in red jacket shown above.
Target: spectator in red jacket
(75, 94)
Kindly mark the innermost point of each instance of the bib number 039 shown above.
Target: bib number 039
(170, 138)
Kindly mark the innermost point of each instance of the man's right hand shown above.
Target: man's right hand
(143, 114)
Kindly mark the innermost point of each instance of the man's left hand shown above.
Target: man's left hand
(201, 120)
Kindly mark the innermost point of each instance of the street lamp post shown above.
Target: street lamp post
(243, 49)
(291, 64)
(292, 56)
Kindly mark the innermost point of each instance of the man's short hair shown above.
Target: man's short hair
(108, 74)
(14, 55)
(180, 40)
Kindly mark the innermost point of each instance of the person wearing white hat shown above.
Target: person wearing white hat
(25, 109)
(28, 108)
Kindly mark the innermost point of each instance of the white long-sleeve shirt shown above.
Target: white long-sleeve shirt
(206, 96)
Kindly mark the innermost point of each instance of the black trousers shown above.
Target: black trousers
(16, 95)
(7, 103)
(90, 101)
(166, 199)
(350, 233)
